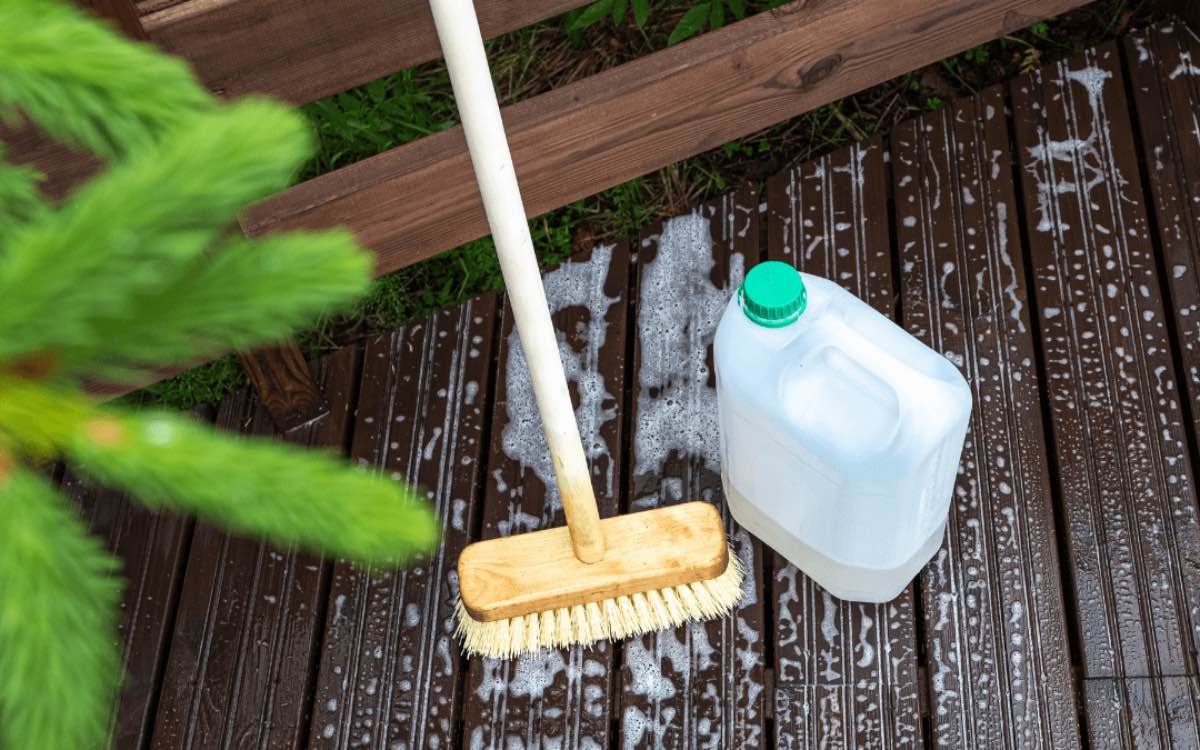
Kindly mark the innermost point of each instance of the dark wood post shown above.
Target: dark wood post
(282, 379)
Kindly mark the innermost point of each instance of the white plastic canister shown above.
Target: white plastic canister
(840, 432)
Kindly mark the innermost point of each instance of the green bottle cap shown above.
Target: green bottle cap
(773, 294)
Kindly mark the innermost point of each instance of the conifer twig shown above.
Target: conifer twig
(64, 71)
(19, 197)
(291, 277)
(289, 495)
(140, 267)
(141, 224)
(58, 605)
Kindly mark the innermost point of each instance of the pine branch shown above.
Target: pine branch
(252, 291)
(140, 225)
(288, 495)
(138, 268)
(83, 83)
(36, 419)
(58, 603)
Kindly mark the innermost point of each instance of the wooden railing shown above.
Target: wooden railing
(419, 199)
(302, 50)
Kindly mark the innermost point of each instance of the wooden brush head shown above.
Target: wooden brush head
(654, 549)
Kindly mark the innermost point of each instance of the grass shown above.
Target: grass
(410, 104)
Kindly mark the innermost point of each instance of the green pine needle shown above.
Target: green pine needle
(141, 225)
(84, 84)
(286, 494)
(58, 605)
(292, 278)
(20, 200)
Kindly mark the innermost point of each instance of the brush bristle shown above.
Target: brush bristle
(610, 619)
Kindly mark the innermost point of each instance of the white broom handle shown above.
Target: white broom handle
(462, 46)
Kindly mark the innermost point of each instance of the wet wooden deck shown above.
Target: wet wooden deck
(1043, 235)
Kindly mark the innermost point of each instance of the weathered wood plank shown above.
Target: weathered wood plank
(1000, 668)
(1124, 473)
(301, 50)
(845, 672)
(280, 377)
(419, 199)
(389, 671)
(1164, 63)
(245, 629)
(1149, 712)
(560, 698)
(151, 548)
(699, 685)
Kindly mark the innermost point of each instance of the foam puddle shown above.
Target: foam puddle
(574, 283)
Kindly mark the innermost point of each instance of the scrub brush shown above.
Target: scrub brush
(593, 579)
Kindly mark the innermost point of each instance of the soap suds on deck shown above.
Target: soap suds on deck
(677, 318)
(573, 284)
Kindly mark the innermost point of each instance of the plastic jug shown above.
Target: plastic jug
(840, 432)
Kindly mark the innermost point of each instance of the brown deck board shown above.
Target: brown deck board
(150, 546)
(845, 672)
(389, 669)
(1124, 473)
(1165, 81)
(999, 659)
(245, 628)
(699, 685)
(1149, 712)
(559, 698)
